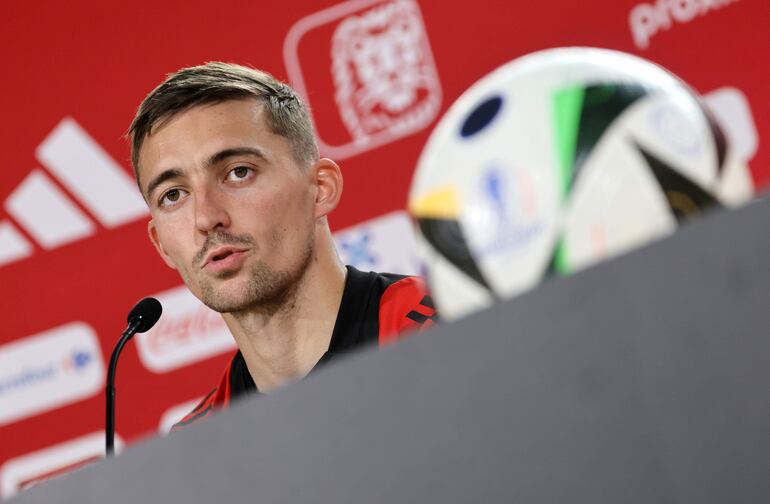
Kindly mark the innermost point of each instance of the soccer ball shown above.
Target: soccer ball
(557, 160)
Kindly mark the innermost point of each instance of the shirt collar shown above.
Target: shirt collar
(352, 329)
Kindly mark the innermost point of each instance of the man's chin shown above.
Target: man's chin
(225, 300)
(257, 292)
(226, 306)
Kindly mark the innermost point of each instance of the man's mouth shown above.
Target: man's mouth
(223, 258)
(222, 255)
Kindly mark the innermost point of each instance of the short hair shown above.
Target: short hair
(216, 82)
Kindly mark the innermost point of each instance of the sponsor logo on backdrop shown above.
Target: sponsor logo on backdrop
(386, 243)
(357, 248)
(32, 468)
(187, 332)
(48, 370)
(385, 83)
(647, 19)
(48, 215)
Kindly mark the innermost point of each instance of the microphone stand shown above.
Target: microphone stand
(110, 388)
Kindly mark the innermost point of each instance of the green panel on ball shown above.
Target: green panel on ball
(567, 105)
(602, 105)
(558, 265)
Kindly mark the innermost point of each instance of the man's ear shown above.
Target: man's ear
(327, 178)
(153, 233)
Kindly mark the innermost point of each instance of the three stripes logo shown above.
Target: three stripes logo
(426, 312)
(47, 215)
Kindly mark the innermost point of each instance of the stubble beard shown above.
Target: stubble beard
(267, 290)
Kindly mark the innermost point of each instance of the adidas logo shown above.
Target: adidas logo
(47, 216)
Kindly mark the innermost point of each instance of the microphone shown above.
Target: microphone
(141, 318)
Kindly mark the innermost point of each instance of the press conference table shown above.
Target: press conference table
(641, 380)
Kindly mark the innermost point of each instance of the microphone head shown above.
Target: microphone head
(147, 312)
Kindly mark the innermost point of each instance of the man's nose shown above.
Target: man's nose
(210, 211)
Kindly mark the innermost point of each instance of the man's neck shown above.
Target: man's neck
(283, 344)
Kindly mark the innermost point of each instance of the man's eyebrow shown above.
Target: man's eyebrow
(162, 177)
(214, 159)
(235, 151)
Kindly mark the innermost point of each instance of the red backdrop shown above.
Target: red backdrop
(93, 62)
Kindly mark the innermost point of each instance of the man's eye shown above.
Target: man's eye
(239, 173)
(170, 197)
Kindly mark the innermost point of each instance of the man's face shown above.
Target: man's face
(231, 209)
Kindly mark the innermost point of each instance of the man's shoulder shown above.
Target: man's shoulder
(405, 306)
(394, 284)
(218, 398)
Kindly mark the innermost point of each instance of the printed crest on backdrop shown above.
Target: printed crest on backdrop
(47, 370)
(187, 332)
(48, 215)
(381, 72)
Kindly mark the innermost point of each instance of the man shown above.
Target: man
(226, 158)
